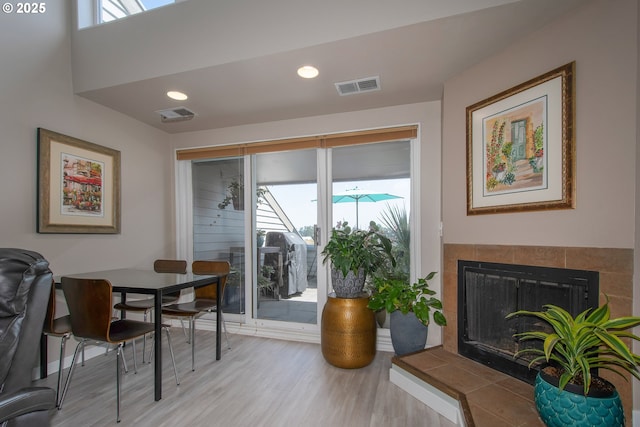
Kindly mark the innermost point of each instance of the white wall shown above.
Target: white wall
(602, 38)
(36, 91)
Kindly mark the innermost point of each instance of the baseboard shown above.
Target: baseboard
(287, 332)
(440, 402)
(275, 330)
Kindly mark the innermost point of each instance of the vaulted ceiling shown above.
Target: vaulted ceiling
(411, 61)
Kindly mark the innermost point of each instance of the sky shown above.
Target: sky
(299, 201)
(150, 4)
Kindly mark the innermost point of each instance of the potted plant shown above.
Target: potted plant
(573, 348)
(354, 254)
(265, 284)
(260, 234)
(412, 305)
(235, 195)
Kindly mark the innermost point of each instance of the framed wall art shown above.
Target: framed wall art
(520, 147)
(78, 186)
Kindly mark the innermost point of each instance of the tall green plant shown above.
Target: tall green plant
(396, 221)
(591, 340)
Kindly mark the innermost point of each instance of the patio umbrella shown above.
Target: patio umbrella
(358, 195)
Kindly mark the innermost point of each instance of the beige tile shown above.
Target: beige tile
(612, 260)
(425, 360)
(618, 284)
(452, 253)
(546, 256)
(505, 405)
(483, 418)
(495, 253)
(515, 386)
(459, 379)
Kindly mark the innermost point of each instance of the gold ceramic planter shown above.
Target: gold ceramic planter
(348, 332)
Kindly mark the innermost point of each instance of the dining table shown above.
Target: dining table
(148, 282)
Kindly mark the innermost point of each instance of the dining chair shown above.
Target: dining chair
(145, 306)
(59, 327)
(204, 300)
(90, 305)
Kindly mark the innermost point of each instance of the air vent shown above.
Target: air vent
(178, 114)
(368, 84)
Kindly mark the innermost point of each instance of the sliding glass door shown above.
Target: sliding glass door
(271, 234)
(218, 222)
(372, 183)
(285, 223)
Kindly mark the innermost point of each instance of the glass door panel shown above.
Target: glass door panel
(218, 222)
(372, 182)
(285, 223)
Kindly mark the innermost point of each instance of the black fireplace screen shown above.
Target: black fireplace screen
(487, 292)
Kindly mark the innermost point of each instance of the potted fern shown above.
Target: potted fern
(573, 348)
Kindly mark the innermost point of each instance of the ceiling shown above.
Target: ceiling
(412, 62)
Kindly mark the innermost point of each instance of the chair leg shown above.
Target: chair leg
(63, 341)
(119, 352)
(144, 341)
(70, 374)
(173, 359)
(224, 328)
(135, 364)
(124, 361)
(184, 330)
(192, 330)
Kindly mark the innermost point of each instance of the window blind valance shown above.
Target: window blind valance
(319, 141)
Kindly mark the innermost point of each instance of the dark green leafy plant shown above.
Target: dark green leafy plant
(264, 278)
(591, 340)
(399, 294)
(352, 249)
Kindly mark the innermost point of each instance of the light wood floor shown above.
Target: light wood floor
(259, 382)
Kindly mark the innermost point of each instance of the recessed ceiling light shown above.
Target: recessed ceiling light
(178, 96)
(308, 72)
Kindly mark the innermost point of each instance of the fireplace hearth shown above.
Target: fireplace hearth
(487, 292)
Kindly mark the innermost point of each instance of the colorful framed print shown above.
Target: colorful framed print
(520, 147)
(78, 186)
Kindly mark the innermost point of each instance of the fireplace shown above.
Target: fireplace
(487, 292)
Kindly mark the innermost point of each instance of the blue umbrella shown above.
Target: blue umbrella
(358, 195)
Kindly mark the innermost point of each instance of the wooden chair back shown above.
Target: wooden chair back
(90, 307)
(214, 268)
(170, 266)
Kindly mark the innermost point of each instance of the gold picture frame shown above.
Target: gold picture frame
(78, 186)
(520, 147)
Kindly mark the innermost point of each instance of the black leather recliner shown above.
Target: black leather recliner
(25, 284)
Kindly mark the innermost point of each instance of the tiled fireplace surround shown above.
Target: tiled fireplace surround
(616, 280)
